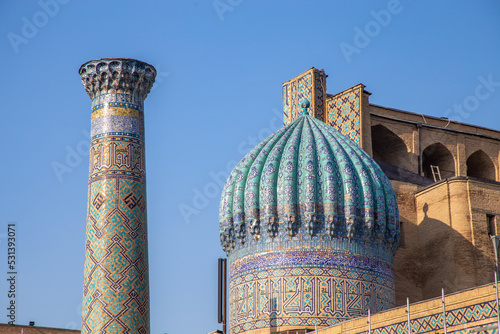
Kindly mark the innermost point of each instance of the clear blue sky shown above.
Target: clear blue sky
(221, 65)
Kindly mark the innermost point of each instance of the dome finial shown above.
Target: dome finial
(304, 104)
(307, 211)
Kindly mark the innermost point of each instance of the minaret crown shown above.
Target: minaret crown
(117, 76)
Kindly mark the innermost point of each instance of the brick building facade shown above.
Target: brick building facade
(445, 174)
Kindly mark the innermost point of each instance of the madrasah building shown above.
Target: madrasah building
(352, 209)
(330, 225)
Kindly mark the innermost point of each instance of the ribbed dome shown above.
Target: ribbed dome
(307, 181)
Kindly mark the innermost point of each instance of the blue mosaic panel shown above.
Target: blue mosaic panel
(117, 99)
(472, 315)
(305, 288)
(116, 286)
(117, 123)
(305, 90)
(311, 86)
(344, 113)
(319, 95)
(116, 279)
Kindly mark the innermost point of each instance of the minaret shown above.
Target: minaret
(116, 281)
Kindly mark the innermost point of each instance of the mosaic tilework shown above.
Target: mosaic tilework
(378, 251)
(305, 90)
(310, 225)
(287, 106)
(117, 154)
(295, 105)
(293, 289)
(117, 100)
(327, 257)
(116, 123)
(344, 113)
(116, 290)
(116, 283)
(124, 111)
(319, 94)
(307, 181)
(310, 85)
(434, 323)
(290, 104)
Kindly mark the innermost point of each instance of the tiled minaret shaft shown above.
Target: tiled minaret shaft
(116, 282)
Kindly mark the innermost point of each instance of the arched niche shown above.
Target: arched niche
(480, 165)
(390, 148)
(438, 155)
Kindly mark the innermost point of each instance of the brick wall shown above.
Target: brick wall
(17, 329)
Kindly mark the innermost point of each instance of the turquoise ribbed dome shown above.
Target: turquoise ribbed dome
(307, 182)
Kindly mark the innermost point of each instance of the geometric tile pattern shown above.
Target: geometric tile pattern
(116, 291)
(319, 95)
(293, 93)
(344, 113)
(289, 108)
(116, 282)
(301, 292)
(304, 91)
(434, 323)
(310, 85)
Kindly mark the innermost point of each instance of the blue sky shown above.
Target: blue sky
(218, 92)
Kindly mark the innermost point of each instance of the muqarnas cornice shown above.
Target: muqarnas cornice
(117, 76)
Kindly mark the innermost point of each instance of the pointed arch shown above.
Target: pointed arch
(438, 155)
(389, 147)
(480, 165)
